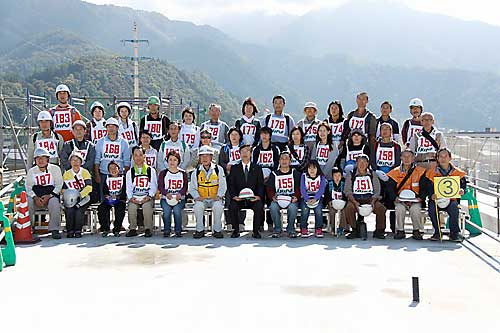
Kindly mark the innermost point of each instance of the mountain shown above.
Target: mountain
(244, 69)
(106, 76)
(392, 34)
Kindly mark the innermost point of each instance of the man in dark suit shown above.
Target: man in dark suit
(246, 175)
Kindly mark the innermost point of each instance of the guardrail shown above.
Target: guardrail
(489, 192)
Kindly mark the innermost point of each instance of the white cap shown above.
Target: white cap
(124, 104)
(311, 105)
(44, 115)
(205, 150)
(96, 104)
(79, 122)
(76, 153)
(41, 152)
(416, 102)
(62, 87)
(112, 121)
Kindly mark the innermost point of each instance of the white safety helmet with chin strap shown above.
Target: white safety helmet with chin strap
(70, 198)
(62, 87)
(41, 152)
(44, 115)
(96, 104)
(123, 104)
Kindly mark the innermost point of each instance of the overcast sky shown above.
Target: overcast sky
(204, 11)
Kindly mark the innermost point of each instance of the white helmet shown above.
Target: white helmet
(44, 115)
(96, 104)
(112, 121)
(283, 200)
(443, 202)
(246, 193)
(382, 175)
(338, 204)
(41, 152)
(123, 104)
(416, 102)
(172, 202)
(62, 87)
(71, 197)
(76, 153)
(79, 122)
(205, 150)
(407, 195)
(365, 210)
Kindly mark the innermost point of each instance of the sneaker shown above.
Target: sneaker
(456, 237)
(379, 234)
(417, 235)
(56, 234)
(178, 234)
(352, 235)
(70, 234)
(131, 233)
(362, 231)
(400, 234)
(199, 234)
(276, 234)
(218, 234)
(256, 235)
(116, 234)
(318, 233)
(235, 234)
(435, 237)
(166, 234)
(304, 233)
(340, 232)
(292, 234)
(78, 234)
(105, 234)
(148, 233)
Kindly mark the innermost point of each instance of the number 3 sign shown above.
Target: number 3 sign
(447, 187)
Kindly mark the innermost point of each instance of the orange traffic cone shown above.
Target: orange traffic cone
(22, 225)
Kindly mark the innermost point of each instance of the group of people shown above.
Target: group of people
(351, 165)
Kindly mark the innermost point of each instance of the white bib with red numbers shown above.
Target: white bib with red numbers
(150, 157)
(77, 183)
(311, 133)
(336, 195)
(312, 184)
(248, 130)
(358, 123)
(284, 184)
(47, 143)
(234, 156)
(154, 127)
(351, 155)
(129, 134)
(167, 148)
(98, 131)
(115, 185)
(43, 179)
(278, 125)
(83, 152)
(412, 130)
(266, 159)
(141, 185)
(299, 150)
(322, 153)
(214, 130)
(188, 134)
(337, 129)
(424, 146)
(112, 150)
(174, 182)
(62, 120)
(385, 156)
(362, 185)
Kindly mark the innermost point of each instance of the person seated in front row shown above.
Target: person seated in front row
(444, 169)
(336, 199)
(43, 186)
(246, 175)
(362, 189)
(115, 195)
(141, 191)
(405, 188)
(312, 188)
(283, 188)
(208, 188)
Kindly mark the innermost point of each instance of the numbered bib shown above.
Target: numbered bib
(129, 135)
(357, 123)
(174, 182)
(336, 195)
(337, 131)
(114, 185)
(322, 152)
(362, 185)
(50, 144)
(62, 120)
(311, 133)
(412, 130)
(141, 185)
(248, 130)
(98, 132)
(234, 156)
(154, 128)
(313, 185)
(352, 155)
(188, 134)
(284, 184)
(266, 159)
(214, 130)
(299, 150)
(168, 149)
(385, 156)
(112, 151)
(424, 146)
(150, 158)
(278, 126)
(75, 184)
(43, 179)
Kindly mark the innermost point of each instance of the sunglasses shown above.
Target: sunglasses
(206, 137)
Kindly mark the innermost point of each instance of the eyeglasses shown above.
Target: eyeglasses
(206, 137)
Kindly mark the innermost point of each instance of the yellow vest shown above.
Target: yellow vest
(208, 187)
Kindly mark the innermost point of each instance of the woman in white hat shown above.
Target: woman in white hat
(47, 139)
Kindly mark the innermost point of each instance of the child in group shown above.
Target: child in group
(335, 191)
(312, 188)
(115, 195)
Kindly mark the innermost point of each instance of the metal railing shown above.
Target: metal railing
(494, 194)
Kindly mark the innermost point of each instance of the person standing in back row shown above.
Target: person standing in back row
(216, 127)
(64, 114)
(280, 123)
(155, 123)
(361, 119)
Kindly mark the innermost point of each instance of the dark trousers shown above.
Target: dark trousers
(452, 211)
(258, 212)
(75, 218)
(103, 212)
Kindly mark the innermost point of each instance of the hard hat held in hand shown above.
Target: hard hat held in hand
(283, 201)
(365, 210)
(338, 204)
(246, 193)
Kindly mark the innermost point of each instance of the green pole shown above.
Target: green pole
(9, 252)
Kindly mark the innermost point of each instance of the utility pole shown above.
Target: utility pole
(135, 44)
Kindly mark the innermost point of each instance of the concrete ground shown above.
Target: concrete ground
(247, 285)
